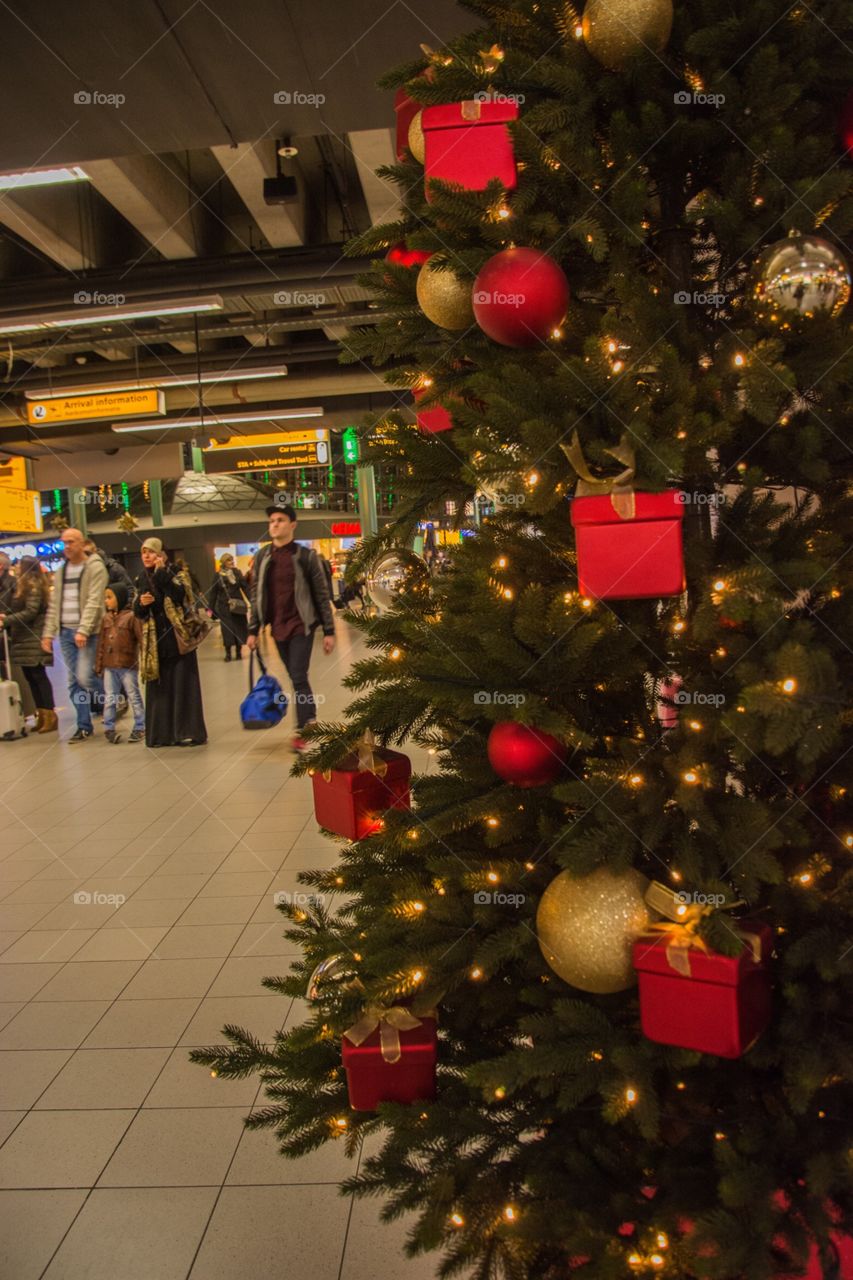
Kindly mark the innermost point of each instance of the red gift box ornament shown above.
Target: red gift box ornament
(435, 418)
(468, 143)
(629, 543)
(389, 1055)
(351, 799)
(696, 998)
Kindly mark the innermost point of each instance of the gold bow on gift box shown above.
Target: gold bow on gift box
(619, 488)
(368, 760)
(390, 1023)
(682, 925)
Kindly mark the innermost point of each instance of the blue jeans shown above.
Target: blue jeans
(117, 679)
(82, 681)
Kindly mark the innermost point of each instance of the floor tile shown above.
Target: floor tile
(140, 913)
(135, 1234)
(161, 886)
(22, 981)
(32, 1223)
(366, 1232)
(243, 884)
(261, 1014)
(123, 944)
(77, 915)
(140, 1024)
(187, 1084)
(219, 911)
(93, 980)
(185, 1146)
(159, 979)
(9, 1121)
(264, 940)
(24, 1075)
(46, 946)
(254, 1228)
(104, 1078)
(259, 1162)
(243, 976)
(61, 1148)
(22, 916)
(52, 1026)
(196, 941)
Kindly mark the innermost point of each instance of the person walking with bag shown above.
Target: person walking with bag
(74, 614)
(228, 598)
(291, 596)
(174, 715)
(25, 623)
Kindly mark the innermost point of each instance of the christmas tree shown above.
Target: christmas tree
(630, 333)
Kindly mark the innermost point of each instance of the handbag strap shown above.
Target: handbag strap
(253, 653)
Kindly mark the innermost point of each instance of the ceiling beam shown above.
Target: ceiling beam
(372, 148)
(152, 198)
(50, 230)
(246, 166)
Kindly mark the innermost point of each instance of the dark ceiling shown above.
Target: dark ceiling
(198, 73)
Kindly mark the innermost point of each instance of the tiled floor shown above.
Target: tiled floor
(136, 918)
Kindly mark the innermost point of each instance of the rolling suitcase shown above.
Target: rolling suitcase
(11, 710)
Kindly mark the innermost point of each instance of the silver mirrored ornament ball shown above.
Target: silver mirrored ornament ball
(388, 576)
(799, 277)
(335, 970)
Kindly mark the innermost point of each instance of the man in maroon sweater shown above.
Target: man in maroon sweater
(290, 594)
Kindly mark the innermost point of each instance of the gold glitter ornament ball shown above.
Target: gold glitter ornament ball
(444, 299)
(615, 31)
(416, 140)
(587, 924)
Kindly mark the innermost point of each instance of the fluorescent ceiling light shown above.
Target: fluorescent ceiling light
(219, 420)
(41, 178)
(169, 380)
(85, 315)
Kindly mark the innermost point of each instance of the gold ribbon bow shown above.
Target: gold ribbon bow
(681, 927)
(620, 488)
(390, 1023)
(367, 761)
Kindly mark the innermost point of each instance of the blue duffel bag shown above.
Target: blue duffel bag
(266, 702)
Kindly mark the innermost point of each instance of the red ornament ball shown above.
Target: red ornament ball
(402, 256)
(524, 756)
(845, 123)
(520, 297)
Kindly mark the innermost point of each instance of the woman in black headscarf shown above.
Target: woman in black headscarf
(228, 597)
(174, 715)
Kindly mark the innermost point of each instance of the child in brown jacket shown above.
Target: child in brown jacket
(117, 658)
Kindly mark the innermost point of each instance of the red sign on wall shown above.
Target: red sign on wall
(346, 529)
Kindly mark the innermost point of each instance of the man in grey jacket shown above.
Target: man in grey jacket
(290, 594)
(74, 614)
